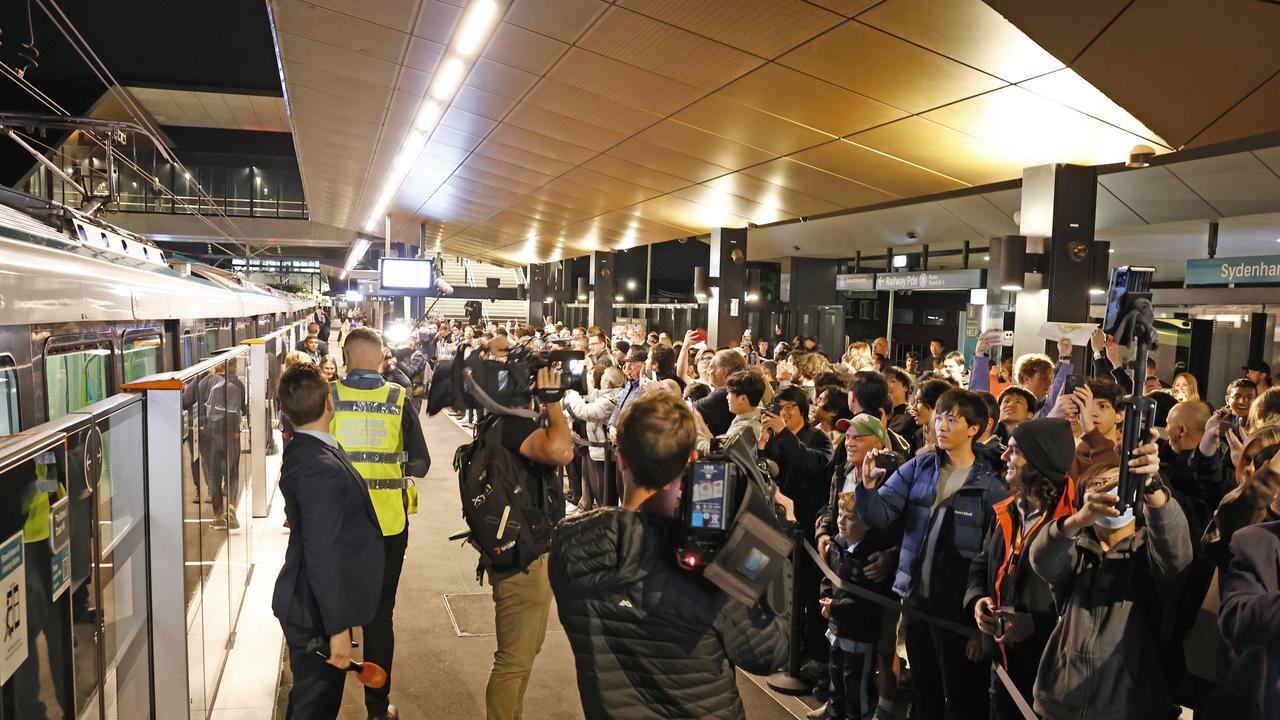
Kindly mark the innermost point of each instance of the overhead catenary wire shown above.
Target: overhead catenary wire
(104, 76)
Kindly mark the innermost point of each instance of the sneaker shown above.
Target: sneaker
(232, 521)
(219, 523)
(817, 713)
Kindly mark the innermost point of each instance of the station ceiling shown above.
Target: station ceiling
(592, 125)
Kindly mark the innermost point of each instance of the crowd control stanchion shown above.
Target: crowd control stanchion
(791, 681)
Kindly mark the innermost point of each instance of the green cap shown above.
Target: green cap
(864, 424)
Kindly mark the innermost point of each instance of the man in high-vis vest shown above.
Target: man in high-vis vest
(382, 436)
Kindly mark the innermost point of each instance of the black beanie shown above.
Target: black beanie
(1047, 443)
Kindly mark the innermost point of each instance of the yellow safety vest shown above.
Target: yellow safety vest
(367, 425)
(36, 528)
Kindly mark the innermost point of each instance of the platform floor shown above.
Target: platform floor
(438, 673)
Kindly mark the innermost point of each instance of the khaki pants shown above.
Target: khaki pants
(521, 605)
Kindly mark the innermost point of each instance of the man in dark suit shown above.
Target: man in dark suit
(332, 569)
(313, 330)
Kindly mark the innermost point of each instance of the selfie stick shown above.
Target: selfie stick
(1137, 327)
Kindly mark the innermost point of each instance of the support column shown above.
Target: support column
(724, 306)
(537, 295)
(600, 309)
(1058, 204)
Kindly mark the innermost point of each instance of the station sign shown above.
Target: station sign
(860, 282)
(1247, 270)
(932, 280)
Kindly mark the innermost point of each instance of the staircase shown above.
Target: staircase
(462, 272)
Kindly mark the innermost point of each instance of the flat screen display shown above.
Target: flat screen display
(407, 274)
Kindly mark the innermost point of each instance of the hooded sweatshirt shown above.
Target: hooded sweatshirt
(651, 640)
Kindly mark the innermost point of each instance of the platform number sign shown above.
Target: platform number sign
(13, 587)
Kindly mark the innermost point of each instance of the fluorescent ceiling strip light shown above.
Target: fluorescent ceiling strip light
(357, 251)
(478, 23)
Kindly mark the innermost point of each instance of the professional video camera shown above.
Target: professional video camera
(731, 531)
(476, 380)
(1131, 320)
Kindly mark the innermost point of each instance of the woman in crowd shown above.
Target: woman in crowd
(858, 357)
(1186, 388)
(329, 368)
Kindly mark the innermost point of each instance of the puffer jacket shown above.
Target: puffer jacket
(595, 410)
(909, 493)
(1104, 659)
(651, 640)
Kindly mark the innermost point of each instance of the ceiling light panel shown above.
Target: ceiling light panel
(479, 19)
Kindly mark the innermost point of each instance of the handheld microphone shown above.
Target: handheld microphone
(370, 674)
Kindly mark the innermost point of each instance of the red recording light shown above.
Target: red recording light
(691, 560)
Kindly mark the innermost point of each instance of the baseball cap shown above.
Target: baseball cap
(1257, 365)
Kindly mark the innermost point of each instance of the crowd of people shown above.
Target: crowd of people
(977, 493)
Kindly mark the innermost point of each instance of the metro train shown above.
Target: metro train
(86, 307)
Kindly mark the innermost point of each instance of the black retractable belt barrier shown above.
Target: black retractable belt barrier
(893, 603)
(790, 681)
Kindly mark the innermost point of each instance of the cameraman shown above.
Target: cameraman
(522, 600)
(650, 639)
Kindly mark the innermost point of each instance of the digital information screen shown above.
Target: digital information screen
(708, 495)
(407, 274)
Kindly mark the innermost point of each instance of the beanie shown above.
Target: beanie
(1047, 444)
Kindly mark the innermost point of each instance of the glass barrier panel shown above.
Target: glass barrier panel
(75, 379)
(196, 513)
(40, 683)
(122, 565)
(239, 488)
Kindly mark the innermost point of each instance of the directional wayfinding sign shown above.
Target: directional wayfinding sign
(1248, 270)
(60, 545)
(13, 590)
(932, 280)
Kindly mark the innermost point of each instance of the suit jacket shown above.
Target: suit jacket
(332, 573)
(715, 411)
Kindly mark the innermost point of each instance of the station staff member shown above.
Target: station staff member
(383, 438)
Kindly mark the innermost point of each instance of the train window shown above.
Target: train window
(141, 357)
(193, 349)
(9, 421)
(76, 377)
(211, 337)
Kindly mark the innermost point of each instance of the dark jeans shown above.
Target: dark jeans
(379, 636)
(317, 687)
(574, 470)
(220, 460)
(853, 687)
(947, 685)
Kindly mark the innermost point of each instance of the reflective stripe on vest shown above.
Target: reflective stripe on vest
(367, 425)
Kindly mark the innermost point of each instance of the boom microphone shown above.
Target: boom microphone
(443, 286)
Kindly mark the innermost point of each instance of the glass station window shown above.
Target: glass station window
(141, 357)
(9, 422)
(75, 378)
(193, 349)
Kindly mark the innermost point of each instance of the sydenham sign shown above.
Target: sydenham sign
(1250, 270)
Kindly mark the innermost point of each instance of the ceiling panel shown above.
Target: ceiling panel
(942, 150)
(339, 30)
(1156, 195)
(1109, 212)
(687, 140)
(589, 107)
(563, 127)
(627, 171)
(666, 50)
(542, 144)
(667, 161)
(623, 83)
(1236, 184)
(885, 173)
(684, 213)
(1256, 114)
(980, 214)
(523, 157)
(436, 20)
(1032, 130)
(394, 14)
(716, 201)
(1074, 24)
(792, 202)
(728, 119)
(482, 102)
(965, 30)
(1068, 89)
(874, 63)
(1184, 63)
(500, 79)
(564, 20)
(765, 28)
(524, 49)
(817, 182)
(809, 101)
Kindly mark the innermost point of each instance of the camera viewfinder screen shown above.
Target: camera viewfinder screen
(709, 480)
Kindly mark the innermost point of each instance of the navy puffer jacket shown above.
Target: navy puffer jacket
(651, 640)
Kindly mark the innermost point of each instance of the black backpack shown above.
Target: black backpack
(508, 525)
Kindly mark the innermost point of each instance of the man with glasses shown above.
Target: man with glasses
(801, 453)
(598, 351)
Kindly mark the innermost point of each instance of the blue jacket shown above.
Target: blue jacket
(911, 490)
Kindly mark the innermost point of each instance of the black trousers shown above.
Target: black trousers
(593, 478)
(220, 459)
(574, 470)
(947, 685)
(853, 687)
(379, 635)
(317, 687)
